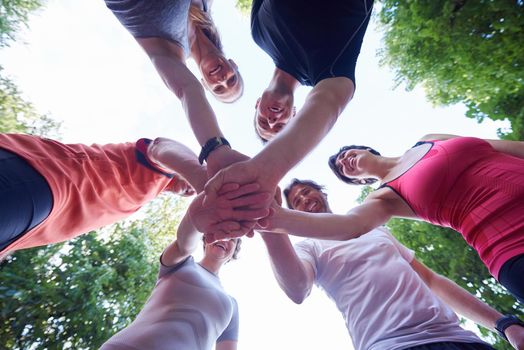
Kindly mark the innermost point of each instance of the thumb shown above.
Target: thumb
(213, 186)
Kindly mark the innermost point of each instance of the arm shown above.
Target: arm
(227, 345)
(466, 304)
(294, 276)
(181, 81)
(314, 120)
(358, 221)
(188, 239)
(321, 109)
(513, 148)
(168, 60)
(177, 157)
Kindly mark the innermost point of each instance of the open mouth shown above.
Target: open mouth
(312, 207)
(352, 162)
(221, 245)
(215, 70)
(275, 109)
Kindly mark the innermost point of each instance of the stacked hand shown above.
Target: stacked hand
(232, 213)
(245, 174)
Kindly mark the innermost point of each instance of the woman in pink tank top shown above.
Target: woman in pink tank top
(471, 185)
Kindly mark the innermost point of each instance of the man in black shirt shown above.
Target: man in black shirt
(309, 42)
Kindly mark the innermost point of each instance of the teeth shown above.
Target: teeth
(214, 71)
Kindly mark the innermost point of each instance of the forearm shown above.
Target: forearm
(186, 242)
(464, 303)
(288, 269)
(179, 79)
(178, 158)
(188, 237)
(318, 225)
(513, 148)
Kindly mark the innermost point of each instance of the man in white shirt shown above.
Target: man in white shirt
(388, 299)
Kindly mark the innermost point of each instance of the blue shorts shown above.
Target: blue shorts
(26, 199)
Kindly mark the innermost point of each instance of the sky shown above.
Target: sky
(76, 63)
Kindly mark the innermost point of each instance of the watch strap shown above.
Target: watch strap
(210, 145)
(504, 322)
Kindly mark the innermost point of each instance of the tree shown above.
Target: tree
(460, 51)
(16, 114)
(78, 294)
(244, 6)
(14, 15)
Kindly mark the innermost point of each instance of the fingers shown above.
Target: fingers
(213, 186)
(228, 188)
(220, 235)
(242, 190)
(227, 226)
(253, 201)
(248, 214)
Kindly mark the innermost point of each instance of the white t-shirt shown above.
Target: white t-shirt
(384, 302)
(188, 309)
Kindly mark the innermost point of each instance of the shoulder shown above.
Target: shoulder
(169, 269)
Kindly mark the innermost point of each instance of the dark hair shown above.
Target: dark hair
(351, 180)
(296, 182)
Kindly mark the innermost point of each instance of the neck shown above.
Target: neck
(283, 82)
(383, 167)
(211, 265)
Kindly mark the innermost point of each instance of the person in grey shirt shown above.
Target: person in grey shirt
(169, 31)
(188, 308)
(388, 299)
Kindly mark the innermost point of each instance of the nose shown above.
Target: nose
(272, 119)
(225, 74)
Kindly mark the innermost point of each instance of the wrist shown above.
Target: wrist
(270, 167)
(210, 150)
(507, 323)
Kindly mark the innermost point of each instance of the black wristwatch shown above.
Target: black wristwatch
(211, 144)
(506, 321)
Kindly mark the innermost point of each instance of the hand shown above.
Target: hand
(223, 157)
(232, 214)
(515, 334)
(242, 173)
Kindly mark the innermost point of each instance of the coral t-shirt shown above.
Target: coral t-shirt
(92, 186)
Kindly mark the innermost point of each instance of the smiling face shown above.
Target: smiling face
(353, 163)
(221, 77)
(272, 114)
(221, 250)
(306, 198)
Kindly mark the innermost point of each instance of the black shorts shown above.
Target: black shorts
(452, 346)
(511, 276)
(26, 199)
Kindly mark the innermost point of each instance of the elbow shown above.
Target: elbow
(297, 297)
(299, 292)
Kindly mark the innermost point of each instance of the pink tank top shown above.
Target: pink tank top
(465, 184)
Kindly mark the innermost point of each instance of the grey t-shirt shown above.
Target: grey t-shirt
(167, 19)
(188, 309)
(385, 304)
